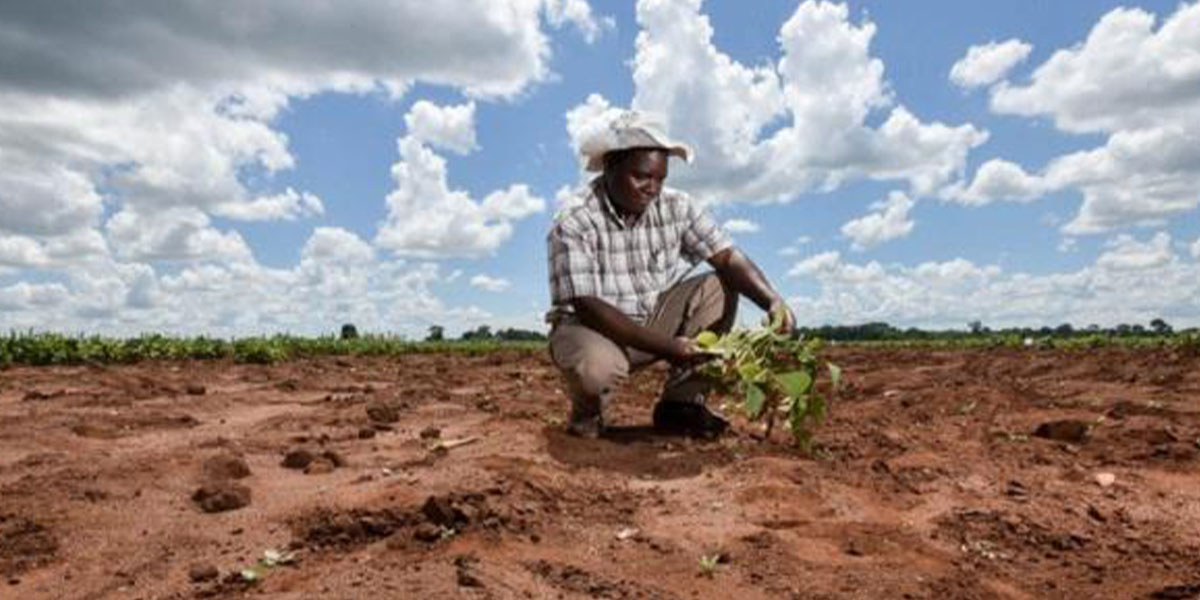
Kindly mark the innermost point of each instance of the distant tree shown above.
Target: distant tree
(437, 333)
(1064, 330)
(976, 327)
(483, 332)
(1160, 327)
(518, 335)
(349, 331)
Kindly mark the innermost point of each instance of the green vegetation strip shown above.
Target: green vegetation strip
(57, 349)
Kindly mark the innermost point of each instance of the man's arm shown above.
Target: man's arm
(740, 273)
(613, 324)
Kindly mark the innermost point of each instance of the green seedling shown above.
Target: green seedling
(709, 564)
(773, 373)
(270, 559)
(446, 532)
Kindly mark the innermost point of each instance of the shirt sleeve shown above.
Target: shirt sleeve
(702, 237)
(574, 270)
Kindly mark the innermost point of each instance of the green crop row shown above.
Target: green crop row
(1188, 342)
(57, 349)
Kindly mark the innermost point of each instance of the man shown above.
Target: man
(616, 303)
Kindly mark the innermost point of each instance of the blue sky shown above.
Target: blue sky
(276, 168)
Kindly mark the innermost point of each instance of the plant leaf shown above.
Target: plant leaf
(707, 339)
(794, 383)
(835, 375)
(755, 399)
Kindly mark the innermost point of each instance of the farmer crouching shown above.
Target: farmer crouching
(617, 301)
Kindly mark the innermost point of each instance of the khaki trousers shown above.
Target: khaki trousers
(594, 366)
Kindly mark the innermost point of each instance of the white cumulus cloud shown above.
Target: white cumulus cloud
(1126, 253)
(288, 206)
(988, 63)
(490, 284)
(447, 127)
(426, 218)
(889, 221)
(1137, 283)
(1140, 87)
(773, 131)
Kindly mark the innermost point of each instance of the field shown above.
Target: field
(941, 473)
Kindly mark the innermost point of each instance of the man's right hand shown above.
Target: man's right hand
(686, 351)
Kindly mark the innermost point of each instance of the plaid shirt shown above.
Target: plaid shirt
(592, 252)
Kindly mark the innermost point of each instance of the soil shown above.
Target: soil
(980, 474)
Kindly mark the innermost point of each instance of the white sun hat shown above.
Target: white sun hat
(630, 129)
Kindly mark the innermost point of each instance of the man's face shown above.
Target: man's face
(636, 181)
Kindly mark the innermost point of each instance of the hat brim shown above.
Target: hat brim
(595, 162)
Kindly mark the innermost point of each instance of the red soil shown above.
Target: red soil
(928, 482)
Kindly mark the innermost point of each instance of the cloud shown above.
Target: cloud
(179, 233)
(340, 278)
(490, 284)
(170, 112)
(23, 295)
(1126, 253)
(288, 206)
(1195, 249)
(954, 292)
(485, 46)
(998, 179)
(988, 63)
(773, 131)
(578, 12)
(1141, 88)
(447, 127)
(740, 226)
(428, 219)
(889, 221)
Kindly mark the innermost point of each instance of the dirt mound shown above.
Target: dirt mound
(24, 544)
(221, 496)
(225, 466)
(571, 578)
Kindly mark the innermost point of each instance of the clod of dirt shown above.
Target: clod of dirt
(463, 565)
(298, 458)
(38, 395)
(366, 433)
(1066, 430)
(1177, 592)
(200, 573)
(334, 457)
(195, 389)
(319, 466)
(431, 433)
(221, 496)
(226, 466)
(427, 532)
(442, 510)
(24, 545)
(382, 412)
(325, 528)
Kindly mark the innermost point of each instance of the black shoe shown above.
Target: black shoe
(589, 428)
(692, 419)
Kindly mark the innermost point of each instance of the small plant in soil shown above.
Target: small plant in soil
(709, 564)
(270, 559)
(773, 373)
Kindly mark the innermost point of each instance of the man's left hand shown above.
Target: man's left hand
(780, 312)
